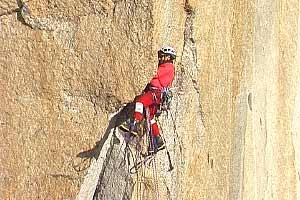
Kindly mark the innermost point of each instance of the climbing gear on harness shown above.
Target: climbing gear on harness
(166, 98)
(165, 101)
(168, 50)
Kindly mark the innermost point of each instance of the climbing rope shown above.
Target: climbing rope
(151, 140)
(171, 167)
(141, 160)
(138, 181)
(138, 162)
(155, 178)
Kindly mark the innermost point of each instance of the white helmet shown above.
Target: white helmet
(168, 50)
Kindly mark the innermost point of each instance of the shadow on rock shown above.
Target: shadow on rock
(86, 156)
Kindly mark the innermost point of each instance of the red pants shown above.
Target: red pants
(150, 99)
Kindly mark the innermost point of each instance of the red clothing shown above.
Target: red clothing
(147, 101)
(163, 78)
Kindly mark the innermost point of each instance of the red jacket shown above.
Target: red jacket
(164, 76)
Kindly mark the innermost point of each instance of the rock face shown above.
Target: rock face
(67, 66)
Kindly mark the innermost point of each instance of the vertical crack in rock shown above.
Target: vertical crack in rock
(190, 69)
(189, 91)
(190, 53)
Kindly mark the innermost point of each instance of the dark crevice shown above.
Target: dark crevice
(10, 11)
(177, 137)
(208, 158)
(188, 8)
(22, 8)
(190, 46)
(250, 101)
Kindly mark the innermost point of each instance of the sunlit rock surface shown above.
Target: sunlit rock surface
(68, 67)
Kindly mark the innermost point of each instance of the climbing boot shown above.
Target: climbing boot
(156, 145)
(129, 126)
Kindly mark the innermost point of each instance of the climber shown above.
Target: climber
(151, 96)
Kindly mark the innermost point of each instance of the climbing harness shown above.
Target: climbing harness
(164, 105)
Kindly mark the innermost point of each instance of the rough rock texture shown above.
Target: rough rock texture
(66, 66)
